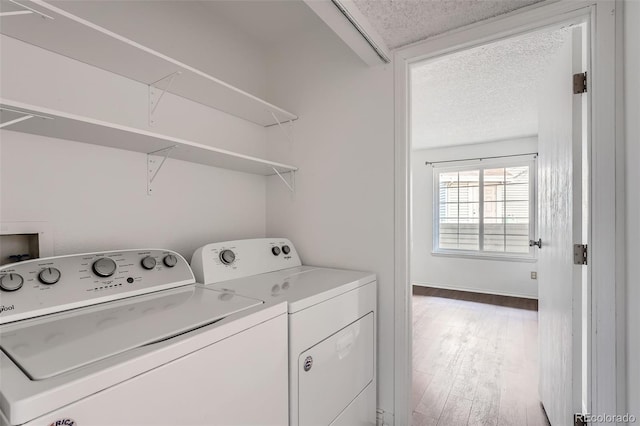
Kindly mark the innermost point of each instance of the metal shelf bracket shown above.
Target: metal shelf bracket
(291, 184)
(26, 11)
(14, 121)
(288, 133)
(25, 116)
(157, 89)
(155, 161)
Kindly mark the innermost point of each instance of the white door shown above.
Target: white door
(560, 227)
(334, 372)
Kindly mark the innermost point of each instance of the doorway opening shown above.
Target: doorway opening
(499, 196)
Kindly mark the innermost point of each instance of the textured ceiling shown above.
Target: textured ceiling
(483, 94)
(400, 22)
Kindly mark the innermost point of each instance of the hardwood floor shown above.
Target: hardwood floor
(474, 359)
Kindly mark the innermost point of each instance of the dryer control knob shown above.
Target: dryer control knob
(275, 250)
(227, 257)
(170, 260)
(11, 282)
(148, 262)
(286, 249)
(49, 276)
(104, 267)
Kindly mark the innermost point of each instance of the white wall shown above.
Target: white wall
(478, 275)
(192, 32)
(632, 120)
(94, 198)
(342, 212)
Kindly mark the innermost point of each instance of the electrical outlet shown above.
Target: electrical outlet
(534, 275)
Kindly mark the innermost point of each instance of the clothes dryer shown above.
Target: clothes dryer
(332, 324)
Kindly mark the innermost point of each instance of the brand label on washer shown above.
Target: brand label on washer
(64, 422)
(6, 308)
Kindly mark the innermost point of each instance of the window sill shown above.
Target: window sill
(482, 256)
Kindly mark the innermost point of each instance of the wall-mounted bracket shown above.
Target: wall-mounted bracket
(26, 11)
(288, 134)
(291, 184)
(14, 121)
(25, 116)
(157, 89)
(155, 161)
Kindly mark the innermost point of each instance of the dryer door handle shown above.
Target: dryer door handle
(346, 342)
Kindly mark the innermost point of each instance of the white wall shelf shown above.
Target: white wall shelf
(61, 125)
(77, 38)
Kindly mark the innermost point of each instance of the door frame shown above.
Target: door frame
(606, 232)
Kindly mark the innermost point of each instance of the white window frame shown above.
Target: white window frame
(481, 165)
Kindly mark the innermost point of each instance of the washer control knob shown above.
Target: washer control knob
(11, 282)
(275, 250)
(286, 249)
(104, 267)
(170, 260)
(227, 257)
(49, 276)
(148, 262)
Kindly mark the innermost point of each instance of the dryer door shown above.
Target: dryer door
(333, 372)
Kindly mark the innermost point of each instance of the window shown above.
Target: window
(486, 209)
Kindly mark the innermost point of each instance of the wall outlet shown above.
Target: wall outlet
(534, 275)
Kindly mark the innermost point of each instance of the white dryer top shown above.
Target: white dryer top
(270, 269)
(301, 287)
(47, 347)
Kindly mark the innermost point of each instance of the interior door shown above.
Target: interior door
(560, 219)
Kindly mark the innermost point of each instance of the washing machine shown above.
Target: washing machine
(332, 324)
(127, 338)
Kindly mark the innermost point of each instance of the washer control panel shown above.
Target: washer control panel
(242, 258)
(43, 286)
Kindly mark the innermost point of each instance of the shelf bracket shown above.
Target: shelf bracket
(286, 133)
(27, 11)
(292, 184)
(14, 121)
(157, 89)
(25, 116)
(154, 164)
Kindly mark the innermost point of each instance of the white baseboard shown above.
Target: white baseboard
(475, 290)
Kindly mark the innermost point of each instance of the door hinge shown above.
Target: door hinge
(580, 252)
(579, 83)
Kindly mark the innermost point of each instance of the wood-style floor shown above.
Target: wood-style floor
(474, 359)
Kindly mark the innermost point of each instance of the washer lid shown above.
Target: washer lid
(54, 345)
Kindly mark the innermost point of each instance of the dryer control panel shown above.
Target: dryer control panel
(242, 258)
(43, 286)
